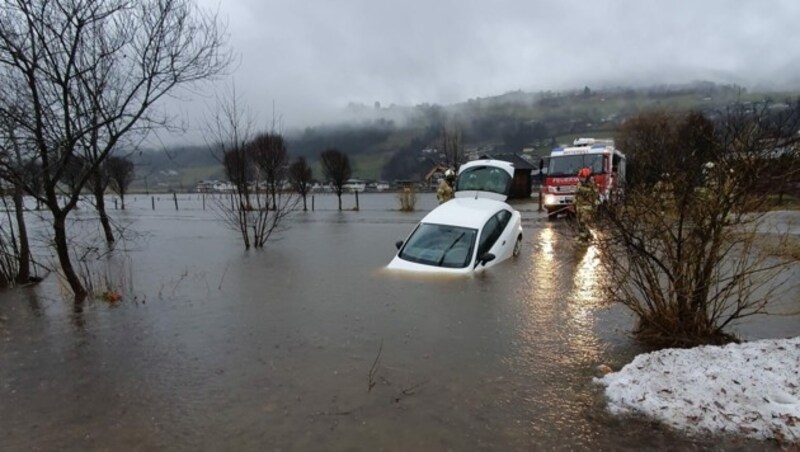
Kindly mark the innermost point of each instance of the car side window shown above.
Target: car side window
(492, 231)
(503, 217)
(488, 236)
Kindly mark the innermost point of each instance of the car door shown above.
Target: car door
(504, 246)
(494, 238)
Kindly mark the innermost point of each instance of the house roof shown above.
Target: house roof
(435, 169)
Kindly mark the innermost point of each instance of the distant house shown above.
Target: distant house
(404, 183)
(205, 186)
(433, 176)
(523, 179)
(214, 186)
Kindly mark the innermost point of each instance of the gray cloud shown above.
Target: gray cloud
(313, 57)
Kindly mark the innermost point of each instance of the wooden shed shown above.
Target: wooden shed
(523, 180)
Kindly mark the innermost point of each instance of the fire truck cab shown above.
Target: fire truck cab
(606, 163)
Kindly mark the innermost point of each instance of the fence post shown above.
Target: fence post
(204, 200)
(175, 198)
(153, 202)
(312, 203)
(356, 200)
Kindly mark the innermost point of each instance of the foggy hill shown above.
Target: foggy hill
(388, 142)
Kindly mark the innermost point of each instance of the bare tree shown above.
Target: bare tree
(99, 181)
(336, 166)
(15, 265)
(228, 131)
(32, 176)
(85, 75)
(682, 251)
(121, 172)
(10, 254)
(249, 211)
(268, 151)
(74, 172)
(239, 170)
(451, 146)
(300, 176)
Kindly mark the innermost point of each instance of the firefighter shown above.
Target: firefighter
(585, 204)
(444, 192)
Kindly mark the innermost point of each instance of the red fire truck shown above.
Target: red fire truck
(606, 163)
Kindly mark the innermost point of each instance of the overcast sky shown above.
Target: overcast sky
(312, 57)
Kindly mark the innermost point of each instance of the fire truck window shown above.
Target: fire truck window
(597, 166)
(569, 165)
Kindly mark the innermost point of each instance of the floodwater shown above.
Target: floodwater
(311, 344)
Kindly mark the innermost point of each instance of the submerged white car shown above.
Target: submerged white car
(470, 233)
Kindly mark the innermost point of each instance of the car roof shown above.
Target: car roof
(465, 212)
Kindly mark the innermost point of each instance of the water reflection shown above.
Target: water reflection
(586, 290)
(547, 243)
(544, 260)
(553, 342)
(587, 275)
(585, 300)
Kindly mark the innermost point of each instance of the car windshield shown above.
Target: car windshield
(569, 165)
(440, 245)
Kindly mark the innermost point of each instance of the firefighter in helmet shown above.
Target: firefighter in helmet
(585, 203)
(444, 192)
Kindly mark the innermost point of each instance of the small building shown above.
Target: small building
(435, 175)
(404, 183)
(214, 186)
(523, 179)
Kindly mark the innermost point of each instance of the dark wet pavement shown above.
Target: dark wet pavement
(312, 345)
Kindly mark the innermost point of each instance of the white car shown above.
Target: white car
(470, 233)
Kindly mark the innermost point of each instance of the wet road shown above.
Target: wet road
(312, 345)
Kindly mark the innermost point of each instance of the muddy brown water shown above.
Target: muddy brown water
(312, 345)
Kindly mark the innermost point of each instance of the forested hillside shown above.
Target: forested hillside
(400, 142)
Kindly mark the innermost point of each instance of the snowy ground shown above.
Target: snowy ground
(751, 389)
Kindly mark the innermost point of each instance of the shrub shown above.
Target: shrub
(681, 252)
(408, 199)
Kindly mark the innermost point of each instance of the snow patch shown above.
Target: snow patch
(751, 389)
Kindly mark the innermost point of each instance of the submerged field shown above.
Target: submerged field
(312, 344)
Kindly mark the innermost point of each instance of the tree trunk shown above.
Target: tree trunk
(122, 198)
(339, 194)
(62, 250)
(24, 273)
(101, 209)
(305, 209)
(244, 224)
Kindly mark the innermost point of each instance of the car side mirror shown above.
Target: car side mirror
(485, 259)
(398, 244)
